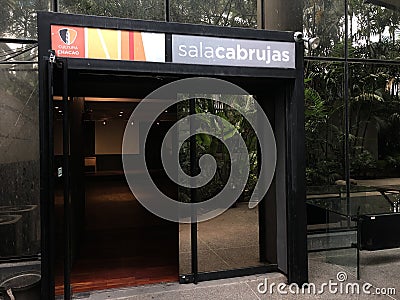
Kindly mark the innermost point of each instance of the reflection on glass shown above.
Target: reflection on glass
(375, 125)
(221, 13)
(11, 52)
(137, 9)
(331, 233)
(19, 169)
(374, 31)
(18, 18)
(325, 19)
(324, 126)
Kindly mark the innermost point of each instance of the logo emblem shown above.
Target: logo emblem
(68, 35)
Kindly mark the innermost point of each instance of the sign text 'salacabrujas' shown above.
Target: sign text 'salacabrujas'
(204, 50)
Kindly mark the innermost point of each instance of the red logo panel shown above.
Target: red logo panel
(68, 41)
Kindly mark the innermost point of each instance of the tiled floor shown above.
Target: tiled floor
(123, 244)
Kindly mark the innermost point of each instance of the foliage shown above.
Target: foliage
(236, 13)
(362, 161)
(134, 9)
(374, 103)
(18, 18)
(207, 144)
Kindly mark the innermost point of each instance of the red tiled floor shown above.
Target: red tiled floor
(124, 245)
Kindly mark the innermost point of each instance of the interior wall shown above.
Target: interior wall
(108, 137)
(58, 137)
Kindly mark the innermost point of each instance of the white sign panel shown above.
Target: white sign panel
(203, 50)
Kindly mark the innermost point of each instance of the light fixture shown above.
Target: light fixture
(56, 107)
(311, 43)
(121, 112)
(60, 111)
(104, 123)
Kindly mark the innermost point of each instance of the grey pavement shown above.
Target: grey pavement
(381, 269)
(230, 241)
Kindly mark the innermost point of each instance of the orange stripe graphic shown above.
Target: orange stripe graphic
(138, 51)
(125, 45)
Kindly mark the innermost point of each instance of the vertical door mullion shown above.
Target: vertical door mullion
(66, 174)
(48, 240)
(193, 194)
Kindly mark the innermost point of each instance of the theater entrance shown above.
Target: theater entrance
(97, 233)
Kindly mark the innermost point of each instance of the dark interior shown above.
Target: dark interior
(115, 242)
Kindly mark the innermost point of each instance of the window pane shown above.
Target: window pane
(19, 166)
(375, 125)
(325, 126)
(18, 18)
(375, 31)
(10, 52)
(136, 9)
(329, 226)
(214, 12)
(325, 19)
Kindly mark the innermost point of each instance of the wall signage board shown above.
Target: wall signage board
(95, 43)
(111, 44)
(203, 50)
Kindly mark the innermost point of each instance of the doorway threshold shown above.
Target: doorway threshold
(230, 288)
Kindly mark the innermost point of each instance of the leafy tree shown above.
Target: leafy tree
(134, 9)
(236, 13)
(18, 18)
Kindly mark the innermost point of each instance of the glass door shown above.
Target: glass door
(233, 242)
(59, 211)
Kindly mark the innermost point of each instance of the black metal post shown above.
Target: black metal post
(359, 221)
(66, 175)
(55, 5)
(167, 11)
(46, 179)
(346, 114)
(193, 194)
(262, 14)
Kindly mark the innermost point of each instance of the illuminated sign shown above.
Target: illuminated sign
(203, 50)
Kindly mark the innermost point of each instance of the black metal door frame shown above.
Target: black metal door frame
(48, 171)
(296, 255)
